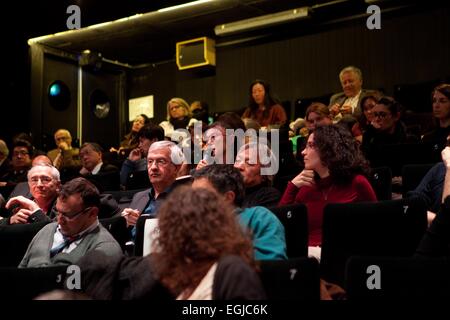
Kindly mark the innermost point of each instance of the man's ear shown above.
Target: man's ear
(94, 211)
(230, 196)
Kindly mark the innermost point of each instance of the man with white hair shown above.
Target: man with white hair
(44, 184)
(64, 156)
(258, 165)
(348, 102)
(164, 160)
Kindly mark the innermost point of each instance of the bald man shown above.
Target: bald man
(64, 156)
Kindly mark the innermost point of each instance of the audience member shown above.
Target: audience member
(4, 161)
(44, 185)
(437, 139)
(131, 139)
(334, 173)
(76, 232)
(164, 160)
(317, 114)
(365, 118)
(105, 176)
(430, 189)
(436, 241)
(64, 156)
(253, 160)
(263, 107)
(268, 232)
(137, 159)
(221, 142)
(200, 111)
(20, 163)
(386, 128)
(178, 117)
(348, 101)
(201, 252)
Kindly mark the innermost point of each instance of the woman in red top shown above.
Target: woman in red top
(334, 173)
(263, 107)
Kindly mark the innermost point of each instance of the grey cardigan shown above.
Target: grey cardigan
(38, 252)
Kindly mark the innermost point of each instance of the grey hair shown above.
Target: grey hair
(269, 159)
(53, 171)
(176, 154)
(353, 69)
(182, 103)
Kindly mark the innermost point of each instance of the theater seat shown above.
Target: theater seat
(385, 228)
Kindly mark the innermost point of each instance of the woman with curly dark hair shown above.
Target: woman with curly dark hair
(263, 107)
(334, 173)
(201, 252)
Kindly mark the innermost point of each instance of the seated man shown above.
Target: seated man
(64, 156)
(104, 176)
(76, 232)
(164, 160)
(20, 163)
(349, 101)
(257, 175)
(23, 188)
(44, 185)
(267, 231)
(137, 159)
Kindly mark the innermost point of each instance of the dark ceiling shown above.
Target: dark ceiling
(152, 37)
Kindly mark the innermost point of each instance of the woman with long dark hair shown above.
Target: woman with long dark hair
(263, 107)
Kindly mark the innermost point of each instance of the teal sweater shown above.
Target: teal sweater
(268, 232)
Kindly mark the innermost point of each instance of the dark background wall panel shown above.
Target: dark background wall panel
(52, 119)
(105, 131)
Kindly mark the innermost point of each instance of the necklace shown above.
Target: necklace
(326, 193)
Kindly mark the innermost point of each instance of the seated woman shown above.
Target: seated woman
(365, 118)
(334, 173)
(178, 117)
(263, 107)
(437, 139)
(131, 140)
(201, 252)
(317, 114)
(386, 129)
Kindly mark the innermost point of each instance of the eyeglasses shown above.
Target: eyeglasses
(69, 217)
(44, 180)
(380, 115)
(20, 153)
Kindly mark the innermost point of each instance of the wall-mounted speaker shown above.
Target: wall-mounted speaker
(196, 53)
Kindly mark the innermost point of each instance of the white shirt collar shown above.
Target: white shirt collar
(97, 168)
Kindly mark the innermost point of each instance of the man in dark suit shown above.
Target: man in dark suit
(104, 176)
(348, 102)
(164, 160)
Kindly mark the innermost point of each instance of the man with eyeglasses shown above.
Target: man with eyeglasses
(75, 232)
(44, 184)
(164, 160)
(20, 163)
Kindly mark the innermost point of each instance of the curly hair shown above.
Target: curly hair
(340, 153)
(195, 231)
